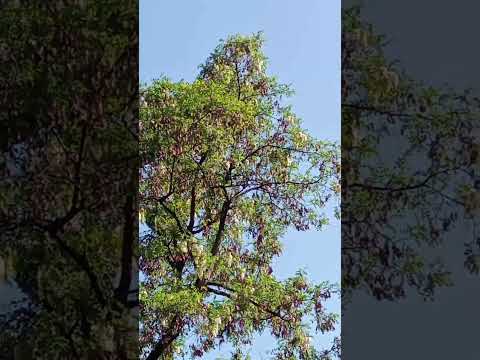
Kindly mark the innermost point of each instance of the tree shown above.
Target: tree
(409, 160)
(226, 169)
(69, 176)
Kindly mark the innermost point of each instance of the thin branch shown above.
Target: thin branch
(404, 188)
(253, 302)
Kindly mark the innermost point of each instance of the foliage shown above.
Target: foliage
(410, 170)
(69, 175)
(226, 170)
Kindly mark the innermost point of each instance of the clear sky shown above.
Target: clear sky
(303, 47)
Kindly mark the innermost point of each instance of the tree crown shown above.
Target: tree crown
(227, 169)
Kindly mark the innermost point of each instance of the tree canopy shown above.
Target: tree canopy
(410, 171)
(69, 177)
(226, 169)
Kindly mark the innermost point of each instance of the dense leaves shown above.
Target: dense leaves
(68, 176)
(226, 170)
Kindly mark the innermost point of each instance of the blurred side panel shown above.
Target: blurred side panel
(411, 180)
(69, 179)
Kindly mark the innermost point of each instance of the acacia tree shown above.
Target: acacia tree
(226, 170)
(410, 170)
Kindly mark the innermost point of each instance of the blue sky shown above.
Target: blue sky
(303, 47)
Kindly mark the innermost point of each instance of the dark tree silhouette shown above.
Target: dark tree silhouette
(410, 171)
(68, 218)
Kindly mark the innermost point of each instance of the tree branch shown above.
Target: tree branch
(403, 188)
(221, 226)
(162, 346)
(127, 249)
(191, 222)
(253, 302)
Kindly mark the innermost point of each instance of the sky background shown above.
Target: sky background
(303, 47)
